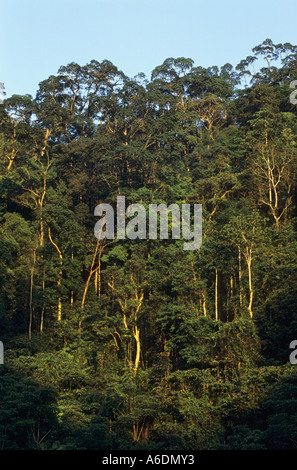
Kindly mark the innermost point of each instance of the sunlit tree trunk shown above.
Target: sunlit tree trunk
(216, 296)
(248, 257)
(60, 274)
(239, 278)
(31, 295)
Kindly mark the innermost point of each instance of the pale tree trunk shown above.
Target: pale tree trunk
(248, 257)
(137, 431)
(136, 333)
(45, 169)
(41, 239)
(216, 297)
(41, 319)
(31, 295)
(230, 298)
(60, 273)
(240, 277)
(97, 281)
(204, 303)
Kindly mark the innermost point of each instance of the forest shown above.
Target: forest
(139, 344)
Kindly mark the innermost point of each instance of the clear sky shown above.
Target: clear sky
(38, 36)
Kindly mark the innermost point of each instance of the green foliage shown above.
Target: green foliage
(27, 412)
(139, 344)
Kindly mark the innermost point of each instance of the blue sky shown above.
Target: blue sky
(38, 36)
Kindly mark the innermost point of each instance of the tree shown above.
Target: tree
(247, 233)
(273, 159)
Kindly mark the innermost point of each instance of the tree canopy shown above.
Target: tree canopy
(138, 343)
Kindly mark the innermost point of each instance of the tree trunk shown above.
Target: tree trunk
(216, 296)
(239, 278)
(137, 356)
(60, 274)
(249, 265)
(31, 296)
